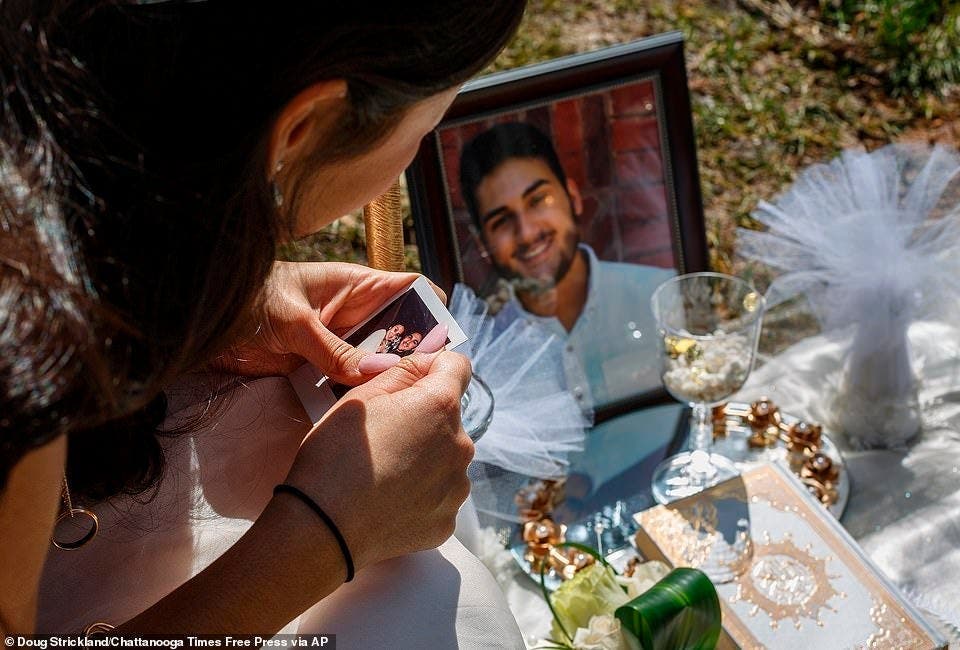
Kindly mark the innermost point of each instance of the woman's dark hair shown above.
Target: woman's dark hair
(137, 221)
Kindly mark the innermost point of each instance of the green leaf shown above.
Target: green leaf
(682, 611)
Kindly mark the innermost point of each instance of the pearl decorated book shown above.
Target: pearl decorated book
(799, 582)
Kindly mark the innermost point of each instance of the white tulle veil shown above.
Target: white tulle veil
(537, 424)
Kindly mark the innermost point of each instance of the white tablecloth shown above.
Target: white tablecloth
(904, 507)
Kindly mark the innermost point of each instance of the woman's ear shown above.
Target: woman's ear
(311, 113)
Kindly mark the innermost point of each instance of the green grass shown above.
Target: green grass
(916, 41)
(767, 100)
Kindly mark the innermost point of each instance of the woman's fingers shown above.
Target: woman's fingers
(434, 340)
(395, 445)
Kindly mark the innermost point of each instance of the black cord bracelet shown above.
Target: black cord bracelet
(347, 558)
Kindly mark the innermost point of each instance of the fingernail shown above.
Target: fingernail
(377, 362)
(435, 340)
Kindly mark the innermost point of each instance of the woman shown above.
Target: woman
(392, 338)
(409, 343)
(153, 156)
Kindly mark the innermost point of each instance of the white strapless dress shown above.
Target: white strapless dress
(217, 481)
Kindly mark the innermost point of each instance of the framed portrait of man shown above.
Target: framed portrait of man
(565, 193)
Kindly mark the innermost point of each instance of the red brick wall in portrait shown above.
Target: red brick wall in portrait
(609, 143)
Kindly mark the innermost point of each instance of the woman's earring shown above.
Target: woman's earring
(277, 194)
(70, 512)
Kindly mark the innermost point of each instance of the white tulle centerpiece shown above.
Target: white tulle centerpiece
(872, 241)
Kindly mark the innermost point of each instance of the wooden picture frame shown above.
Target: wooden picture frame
(621, 124)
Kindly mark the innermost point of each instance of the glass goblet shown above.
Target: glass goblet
(709, 325)
(476, 408)
(476, 413)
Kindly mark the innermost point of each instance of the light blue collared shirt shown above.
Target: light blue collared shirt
(611, 352)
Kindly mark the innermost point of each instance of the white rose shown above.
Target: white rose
(603, 633)
(644, 576)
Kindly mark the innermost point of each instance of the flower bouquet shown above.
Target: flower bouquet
(648, 607)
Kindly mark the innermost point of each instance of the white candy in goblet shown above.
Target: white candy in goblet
(709, 325)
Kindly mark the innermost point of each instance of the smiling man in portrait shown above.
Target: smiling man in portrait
(525, 208)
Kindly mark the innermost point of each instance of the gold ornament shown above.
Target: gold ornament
(803, 437)
(763, 414)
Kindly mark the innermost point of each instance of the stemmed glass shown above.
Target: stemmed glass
(709, 325)
(476, 413)
(476, 408)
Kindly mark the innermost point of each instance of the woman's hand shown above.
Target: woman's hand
(305, 308)
(388, 462)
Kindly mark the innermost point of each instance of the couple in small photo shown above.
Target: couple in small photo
(397, 340)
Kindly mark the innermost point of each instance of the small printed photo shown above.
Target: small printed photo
(399, 326)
